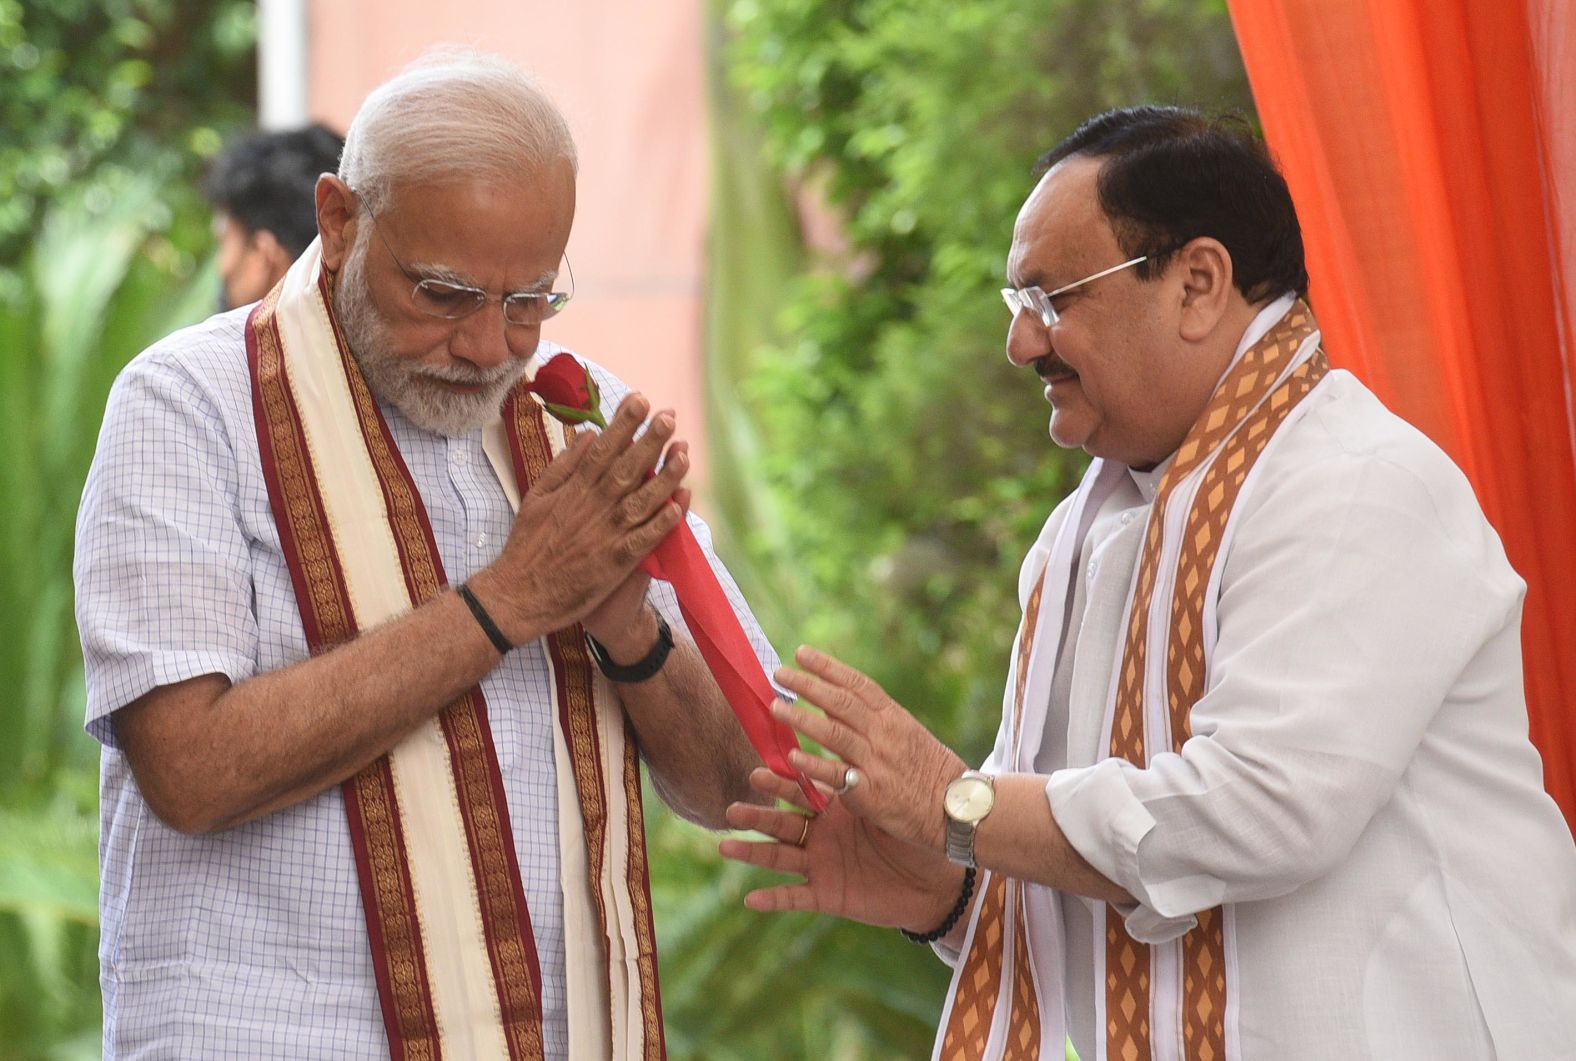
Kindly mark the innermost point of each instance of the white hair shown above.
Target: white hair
(453, 114)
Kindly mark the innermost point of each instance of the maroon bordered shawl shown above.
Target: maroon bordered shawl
(445, 910)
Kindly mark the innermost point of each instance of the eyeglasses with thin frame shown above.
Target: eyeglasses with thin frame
(450, 301)
(1032, 298)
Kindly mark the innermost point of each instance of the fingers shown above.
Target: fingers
(564, 465)
(784, 853)
(837, 673)
(638, 506)
(828, 772)
(632, 412)
(641, 459)
(835, 700)
(769, 784)
(681, 495)
(779, 858)
(836, 736)
(610, 445)
(832, 684)
(621, 462)
(623, 469)
(785, 826)
(635, 545)
(782, 898)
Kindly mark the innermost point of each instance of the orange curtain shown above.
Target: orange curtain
(1427, 143)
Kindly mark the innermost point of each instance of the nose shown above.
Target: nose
(1028, 339)
(485, 338)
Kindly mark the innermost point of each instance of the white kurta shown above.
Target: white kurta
(1360, 788)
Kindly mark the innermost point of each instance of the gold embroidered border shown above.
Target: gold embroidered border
(637, 880)
(529, 445)
(571, 660)
(298, 502)
(578, 718)
(403, 507)
(508, 940)
(387, 896)
(400, 946)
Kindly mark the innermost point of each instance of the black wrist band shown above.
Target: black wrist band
(642, 668)
(952, 918)
(484, 620)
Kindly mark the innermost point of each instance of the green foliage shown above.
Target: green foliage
(892, 467)
(110, 110)
(907, 460)
(94, 90)
(49, 999)
(737, 986)
(95, 289)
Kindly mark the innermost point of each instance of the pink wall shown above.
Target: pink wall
(630, 78)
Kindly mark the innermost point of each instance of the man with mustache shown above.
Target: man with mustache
(1262, 787)
(368, 649)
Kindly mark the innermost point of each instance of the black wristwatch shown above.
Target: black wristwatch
(642, 668)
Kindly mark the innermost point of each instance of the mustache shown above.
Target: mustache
(1050, 366)
(474, 377)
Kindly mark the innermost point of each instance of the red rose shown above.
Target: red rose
(568, 391)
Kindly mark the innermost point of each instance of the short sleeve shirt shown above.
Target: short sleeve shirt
(250, 942)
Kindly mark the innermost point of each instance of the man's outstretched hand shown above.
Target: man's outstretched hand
(850, 867)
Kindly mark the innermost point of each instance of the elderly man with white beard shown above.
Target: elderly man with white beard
(368, 650)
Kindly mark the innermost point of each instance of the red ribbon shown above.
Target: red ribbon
(679, 561)
(569, 392)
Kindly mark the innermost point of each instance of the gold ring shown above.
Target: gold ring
(804, 833)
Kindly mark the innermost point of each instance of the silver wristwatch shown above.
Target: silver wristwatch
(965, 805)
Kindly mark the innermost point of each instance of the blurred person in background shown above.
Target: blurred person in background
(261, 189)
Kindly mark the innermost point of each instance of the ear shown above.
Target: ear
(336, 219)
(1207, 287)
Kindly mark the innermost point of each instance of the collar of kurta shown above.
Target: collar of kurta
(1006, 999)
(446, 915)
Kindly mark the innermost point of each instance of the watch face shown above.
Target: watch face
(969, 799)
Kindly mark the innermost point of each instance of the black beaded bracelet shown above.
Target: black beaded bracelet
(952, 918)
(484, 620)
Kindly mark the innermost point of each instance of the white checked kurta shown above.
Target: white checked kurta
(250, 942)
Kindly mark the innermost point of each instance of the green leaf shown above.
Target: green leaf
(49, 863)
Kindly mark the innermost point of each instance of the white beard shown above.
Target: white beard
(401, 383)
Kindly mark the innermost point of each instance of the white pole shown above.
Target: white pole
(281, 64)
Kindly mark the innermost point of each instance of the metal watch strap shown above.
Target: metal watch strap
(642, 668)
(960, 834)
(960, 842)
